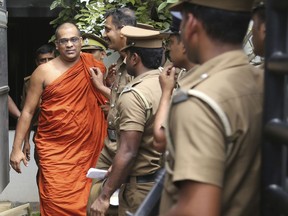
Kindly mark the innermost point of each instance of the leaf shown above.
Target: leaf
(55, 4)
(162, 6)
(172, 1)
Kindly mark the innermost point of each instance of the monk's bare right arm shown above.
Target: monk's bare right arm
(33, 96)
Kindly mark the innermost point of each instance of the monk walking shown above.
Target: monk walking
(71, 126)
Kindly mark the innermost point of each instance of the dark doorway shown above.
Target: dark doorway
(28, 29)
(25, 35)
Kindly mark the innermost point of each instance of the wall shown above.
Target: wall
(22, 187)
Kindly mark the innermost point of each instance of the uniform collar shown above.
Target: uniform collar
(143, 76)
(214, 66)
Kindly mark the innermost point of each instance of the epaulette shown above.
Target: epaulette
(129, 88)
(183, 96)
(179, 96)
(148, 106)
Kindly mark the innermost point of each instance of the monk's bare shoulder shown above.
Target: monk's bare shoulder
(48, 72)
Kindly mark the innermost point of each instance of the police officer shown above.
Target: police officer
(135, 164)
(94, 45)
(115, 20)
(179, 59)
(214, 124)
(98, 48)
(259, 28)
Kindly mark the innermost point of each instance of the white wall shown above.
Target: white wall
(22, 187)
(112, 58)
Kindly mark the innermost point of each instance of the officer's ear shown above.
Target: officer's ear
(135, 58)
(191, 25)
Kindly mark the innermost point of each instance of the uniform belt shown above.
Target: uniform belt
(111, 134)
(144, 179)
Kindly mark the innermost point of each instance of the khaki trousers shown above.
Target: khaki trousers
(104, 162)
(131, 195)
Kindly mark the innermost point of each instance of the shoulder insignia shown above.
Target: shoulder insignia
(130, 87)
(179, 96)
(137, 82)
(127, 88)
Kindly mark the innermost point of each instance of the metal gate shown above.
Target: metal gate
(275, 140)
(4, 144)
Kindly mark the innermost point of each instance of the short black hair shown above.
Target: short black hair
(221, 25)
(122, 17)
(46, 48)
(151, 57)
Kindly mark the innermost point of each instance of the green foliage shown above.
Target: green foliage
(89, 14)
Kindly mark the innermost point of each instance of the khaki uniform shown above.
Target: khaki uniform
(109, 150)
(134, 116)
(197, 138)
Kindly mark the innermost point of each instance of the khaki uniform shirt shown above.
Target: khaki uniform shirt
(122, 78)
(198, 139)
(132, 117)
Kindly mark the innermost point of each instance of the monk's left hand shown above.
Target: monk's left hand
(99, 207)
(97, 77)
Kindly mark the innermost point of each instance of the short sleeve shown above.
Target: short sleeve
(198, 137)
(132, 113)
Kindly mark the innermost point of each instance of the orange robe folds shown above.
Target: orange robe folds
(70, 136)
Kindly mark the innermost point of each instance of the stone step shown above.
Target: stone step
(5, 205)
(23, 210)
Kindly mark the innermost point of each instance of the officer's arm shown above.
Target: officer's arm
(159, 142)
(167, 82)
(123, 161)
(197, 199)
(13, 109)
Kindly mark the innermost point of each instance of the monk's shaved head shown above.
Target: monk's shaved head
(65, 26)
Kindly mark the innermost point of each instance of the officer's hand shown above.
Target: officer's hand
(105, 108)
(112, 70)
(99, 206)
(15, 159)
(111, 76)
(97, 77)
(167, 79)
(26, 150)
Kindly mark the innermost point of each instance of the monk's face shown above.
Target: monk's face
(69, 43)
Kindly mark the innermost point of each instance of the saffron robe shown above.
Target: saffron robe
(70, 137)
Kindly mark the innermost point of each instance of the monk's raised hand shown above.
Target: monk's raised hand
(15, 159)
(97, 77)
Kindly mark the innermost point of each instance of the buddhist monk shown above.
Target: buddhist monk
(71, 127)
